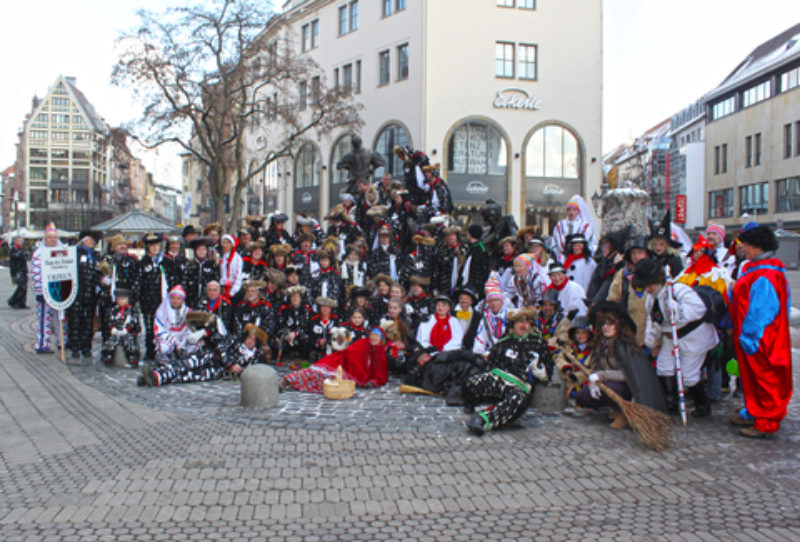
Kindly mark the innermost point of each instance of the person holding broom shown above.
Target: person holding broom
(620, 364)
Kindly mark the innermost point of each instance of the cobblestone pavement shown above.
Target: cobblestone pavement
(85, 454)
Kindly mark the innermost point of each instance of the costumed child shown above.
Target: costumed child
(354, 270)
(321, 325)
(515, 363)
(171, 330)
(664, 248)
(580, 347)
(342, 226)
(419, 302)
(325, 281)
(358, 299)
(579, 264)
(293, 279)
(248, 351)
(363, 361)
(571, 295)
(153, 289)
(123, 321)
(355, 326)
(199, 271)
(421, 260)
(293, 324)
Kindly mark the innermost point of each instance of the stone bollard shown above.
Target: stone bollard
(120, 359)
(259, 386)
(550, 398)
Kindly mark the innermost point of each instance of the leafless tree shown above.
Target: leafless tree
(222, 80)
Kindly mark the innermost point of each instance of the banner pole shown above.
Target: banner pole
(61, 334)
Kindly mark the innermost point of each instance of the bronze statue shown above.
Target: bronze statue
(360, 163)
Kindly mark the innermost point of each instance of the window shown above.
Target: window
(59, 119)
(526, 4)
(754, 198)
(797, 138)
(59, 174)
(477, 148)
(38, 198)
(80, 175)
(358, 77)
(315, 33)
(60, 136)
(347, 78)
(505, 3)
(748, 151)
(38, 173)
(307, 169)
(305, 43)
(342, 20)
(77, 119)
(336, 78)
(787, 195)
(37, 134)
(716, 160)
(388, 7)
(316, 90)
(401, 5)
(756, 94)
(41, 117)
(724, 158)
(504, 59)
(526, 65)
(303, 95)
(353, 15)
(383, 63)
(758, 150)
(787, 140)
(402, 62)
(720, 203)
(391, 135)
(723, 108)
(552, 151)
(790, 79)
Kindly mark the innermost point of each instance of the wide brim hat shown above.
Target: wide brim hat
(188, 230)
(94, 234)
(200, 319)
(280, 249)
(151, 238)
(326, 302)
(613, 308)
(296, 289)
(255, 331)
(527, 230)
(276, 276)
(417, 279)
(254, 221)
(468, 291)
(432, 167)
(127, 292)
(358, 291)
(555, 267)
(325, 253)
(279, 218)
(527, 314)
(580, 322)
(115, 240)
(443, 298)
(200, 241)
(253, 283)
(305, 220)
(550, 295)
(647, 271)
(254, 244)
(377, 211)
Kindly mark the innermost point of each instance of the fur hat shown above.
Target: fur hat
(254, 221)
(338, 339)
(394, 330)
(354, 291)
(212, 227)
(377, 211)
(280, 249)
(760, 237)
(452, 230)
(254, 244)
(297, 289)
(276, 276)
(291, 268)
(352, 247)
(326, 302)
(422, 240)
(383, 277)
(201, 319)
(527, 314)
(400, 153)
(306, 236)
(431, 167)
(253, 283)
(646, 272)
(422, 281)
(509, 239)
(372, 197)
(305, 220)
(255, 331)
(340, 213)
(326, 253)
(527, 230)
(331, 244)
(115, 240)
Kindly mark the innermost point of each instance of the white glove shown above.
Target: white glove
(594, 378)
(115, 332)
(539, 372)
(594, 391)
(196, 336)
(106, 281)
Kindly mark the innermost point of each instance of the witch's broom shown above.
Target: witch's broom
(652, 427)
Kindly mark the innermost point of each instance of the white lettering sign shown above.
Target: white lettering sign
(552, 190)
(516, 98)
(305, 197)
(477, 187)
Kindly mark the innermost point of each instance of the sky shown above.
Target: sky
(658, 57)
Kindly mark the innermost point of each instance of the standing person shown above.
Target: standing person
(477, 265)
(81, 312)
(570, 294)
(579, 264)
(384, 258)
(448, 261)
(200, 271)
(174, 262)
(46, 316)
(579, 220)
(153, 289)
(18, 266)
(230, 269)
(623, 292)
(276, 232)
(666, 250)
(715, 234)
(760, 312)
(438, 191)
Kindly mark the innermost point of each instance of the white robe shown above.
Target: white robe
(571, 297)
(581, 271)
(424, 334)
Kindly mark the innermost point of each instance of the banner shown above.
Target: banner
(680, 209)
(59, 276)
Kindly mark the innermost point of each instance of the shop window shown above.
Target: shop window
(552, 151)
(307, 167)
(391, 135)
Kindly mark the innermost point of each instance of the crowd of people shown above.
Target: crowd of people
(480, 313)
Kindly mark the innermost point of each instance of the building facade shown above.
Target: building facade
(505, 95)
(752, 152)
(67, 160)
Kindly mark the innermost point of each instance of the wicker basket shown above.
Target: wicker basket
(338, 388)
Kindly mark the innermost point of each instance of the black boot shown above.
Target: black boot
(670, 387)
(702, 404)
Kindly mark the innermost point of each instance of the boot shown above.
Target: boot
(476, 425)
(702, 404)
(670, 387)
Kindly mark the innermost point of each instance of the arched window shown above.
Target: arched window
(338, 176)
(477, 162)
(552, 152)
(391, 135)
(307, 167)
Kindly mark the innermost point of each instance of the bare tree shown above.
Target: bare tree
(222, 79)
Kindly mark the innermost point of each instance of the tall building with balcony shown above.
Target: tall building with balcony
(67, 160)
(504, 94)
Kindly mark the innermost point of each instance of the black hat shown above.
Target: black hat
(635, 241)
(613, 308)
(550, 296)
(124, 292)
(359, 291)
(280, 217)
(151, 238)
(663, 230)
(475, 231)
(647, 271)
(443, 298)
(188, 230)
(96, 235)
(579, 322)
(555, 267)
(760, 237)
(468, 291)
(617, 239)
(576, 238)
(204, 241)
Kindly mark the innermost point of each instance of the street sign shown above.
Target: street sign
(680, 208)
(59, 276)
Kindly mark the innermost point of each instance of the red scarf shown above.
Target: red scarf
(559, 288)
(441, 332)
(702, 265)
(571, 258)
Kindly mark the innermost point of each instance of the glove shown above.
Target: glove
(595, 392)
(106, 281)
(115, 332)
(539, 372)
(594, 378)
(40, 298)
(195, 336)
(122, 332)
(748, 344)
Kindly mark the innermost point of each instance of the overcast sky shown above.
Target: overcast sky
(658, 57)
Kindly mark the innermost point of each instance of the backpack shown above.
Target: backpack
(716, 307)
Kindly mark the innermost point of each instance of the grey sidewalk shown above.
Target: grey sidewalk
(85, 454)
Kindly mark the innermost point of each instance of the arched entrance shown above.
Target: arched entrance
(338, 176)
(391, 134)
(306, 180)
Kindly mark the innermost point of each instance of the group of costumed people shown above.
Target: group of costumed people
(478, 313)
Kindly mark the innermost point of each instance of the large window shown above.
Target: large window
(343, 20)
(305, 42)
(756, 94)
(504, 59)
(720, 203)
(315, 33)
(552, 152)
(303, 92)
(790, 79)
(391, 135)
(388, 7)
(353, 15)
(347, 78)
(754, 198)
(307, 167)
(787, 195)
(723, 108)
(526, 64)
(310, 32)
(384, 67)
(402, 62)
(477, 148)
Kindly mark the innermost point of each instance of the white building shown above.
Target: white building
(505, 94)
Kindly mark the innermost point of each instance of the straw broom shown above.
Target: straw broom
(652, 427)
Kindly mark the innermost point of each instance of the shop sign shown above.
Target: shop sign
(680, 209)
(477, 187)
(516, 98)
(552, 190)
(306, 197)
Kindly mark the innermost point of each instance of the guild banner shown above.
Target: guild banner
(59, 276)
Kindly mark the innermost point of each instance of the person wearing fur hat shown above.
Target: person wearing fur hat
(448, 260)
(279, 256)
(293, 279)
(342, 226)
(378, 303)
(695, 337)
(276, 232)
(206, 363)
(579, 264)
(171, 329)
(525, 285)
(515, 363)
(320, 326)
(305, 258)
(254, 222)
(213, 232)
(524, 235)
(420, 302)
(618, 362)
(123, 322)
(492, 317)
(384, 257)
(421, 261)
(230, 268)
(760, 312)
(580, 336)
(477, 265)
(400, 214)
(439, 193)
(358, 298)
(80, 314)
(215, 303)
(174, 262)
(622, 290)
(666, 250)
(715, 234)
(253, 309)
(120, 269)
(580, 219)
(200, 270)
(293, 323)
(253, 265)
(152, 288)
(245, 236)
(247, 351)
(307, 225)
(275, 282)
(508, 251)
(353, 269)
(441, 332)
(325, 281)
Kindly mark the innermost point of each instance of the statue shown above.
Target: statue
(360, 164)
(497, 227)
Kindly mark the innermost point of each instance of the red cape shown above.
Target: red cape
(361, 362)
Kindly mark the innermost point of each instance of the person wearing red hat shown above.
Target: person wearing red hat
(230, 269)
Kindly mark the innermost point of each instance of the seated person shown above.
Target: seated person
(123, 321)
(171, 330)
(293, 324)
(355, 327)
(248, 350)
(320, 326)
(579, 347)
(441, 332)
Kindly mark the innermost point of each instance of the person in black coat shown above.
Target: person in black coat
(152, 289)
(81, 313)
(215, 303)
(199, 271)
(477, 265)
(121, 271)
(276, 233)
(448, 260)
(665, 250)
(174, 263)
(18, 266)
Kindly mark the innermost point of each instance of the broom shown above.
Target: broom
(652, 427)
